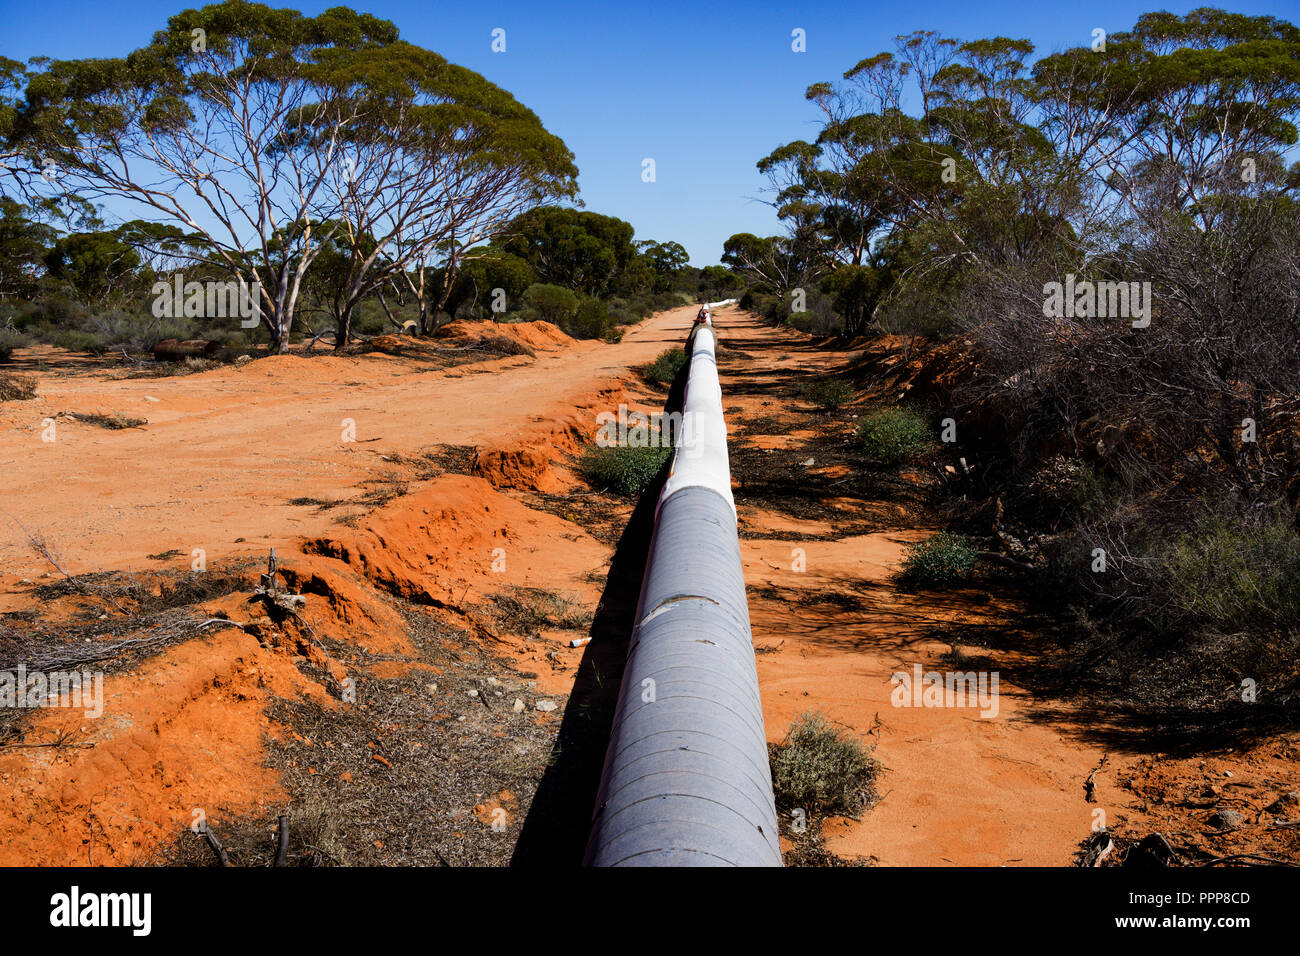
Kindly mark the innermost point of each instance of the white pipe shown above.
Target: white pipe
(686, 779)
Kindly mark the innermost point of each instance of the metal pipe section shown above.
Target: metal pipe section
(686, 779)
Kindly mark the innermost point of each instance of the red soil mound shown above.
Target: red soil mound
(536, 335)
(182, 731)
(185, 729)
(456, 534)
(525, 461)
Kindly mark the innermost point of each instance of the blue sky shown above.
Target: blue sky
(704, 90)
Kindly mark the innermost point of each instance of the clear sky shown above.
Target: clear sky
(703, 89)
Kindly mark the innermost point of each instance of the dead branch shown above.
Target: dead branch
(218, 850)
(282, 847)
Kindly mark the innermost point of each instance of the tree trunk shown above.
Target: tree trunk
(388, 312)
(284, 323)
(343, 331)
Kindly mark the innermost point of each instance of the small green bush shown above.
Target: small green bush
(818, 315)
(663, 301)
(553, 303)
(627, 471)
(1232, 576)
(628, 311)
(75, 340)
(944, 558)
(820, 769)
(591, 321)
(370, 322)
(10, 340)
(116, 328)
(892, 435)
(664, 369)
(1063, 491)
(830, 394)
(768, 306)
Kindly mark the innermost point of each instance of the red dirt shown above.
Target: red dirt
(182, 732)
(222, 455)
(226, 451)
(536, 335)
(457, 539)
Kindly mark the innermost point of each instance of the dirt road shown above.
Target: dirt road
(225, 450)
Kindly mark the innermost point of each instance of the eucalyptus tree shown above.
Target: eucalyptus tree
(24, 242)
(18, 166)
(582, 251)
(267, 133)
(667, 259)
(1178, 111)
(188, 126)
(776, 263)
(1008, 159)
(444, 164)
(971, 171)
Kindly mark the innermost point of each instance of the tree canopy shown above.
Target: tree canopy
(271, 134)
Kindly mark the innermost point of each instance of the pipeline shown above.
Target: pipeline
(686, 779)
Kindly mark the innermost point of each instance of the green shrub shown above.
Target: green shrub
(75, 340)
(830, 394)
(664, 369)
(941, 559)
(10, 340)
(526, 314)
(817, 317)
(591, 321)
(627, 471)
(820, 769)
(892, 435)
(663, 301)
(1064, 490)
(765, 304)
(1231, 576)
(553, 303)
(235, 338)
(371, 322)
(628, 311)
(118, 328)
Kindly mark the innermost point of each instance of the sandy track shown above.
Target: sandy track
(958, 789)
(225, 451)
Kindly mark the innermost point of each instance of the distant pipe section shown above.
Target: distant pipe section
(686, 779)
